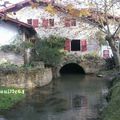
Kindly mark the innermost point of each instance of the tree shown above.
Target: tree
(48, 50)
(105, 12)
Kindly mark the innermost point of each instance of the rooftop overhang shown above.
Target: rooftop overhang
(23, 26)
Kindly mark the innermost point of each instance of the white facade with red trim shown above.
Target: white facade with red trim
(61, 25)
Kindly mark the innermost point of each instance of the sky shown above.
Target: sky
(11, 1)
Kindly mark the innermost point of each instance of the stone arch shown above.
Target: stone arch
(70, 67)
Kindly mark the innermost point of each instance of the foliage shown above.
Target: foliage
(7, 67)
(100, 36)
(112, 111)
(8, 100)
(17, 46)
(48, 50)
(11, 48)
(91, 56)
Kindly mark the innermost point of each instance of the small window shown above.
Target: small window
(29, 21)
(70, 22)
(73, 22)
(106, 54)
(33, 22)
(51, 22)
(67, 23)
(75, 45)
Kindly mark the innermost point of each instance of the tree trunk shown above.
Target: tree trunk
(115, 50)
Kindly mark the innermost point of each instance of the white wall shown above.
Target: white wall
(7, 33)
(83, 30)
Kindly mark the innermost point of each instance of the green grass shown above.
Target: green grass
(112, 111)
(7, 100)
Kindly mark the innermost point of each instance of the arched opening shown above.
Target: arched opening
(72, 68)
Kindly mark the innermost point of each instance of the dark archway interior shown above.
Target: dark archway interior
(71, 68)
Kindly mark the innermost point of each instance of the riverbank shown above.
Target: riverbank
(112, 110)
(25, 77)
(10, 96)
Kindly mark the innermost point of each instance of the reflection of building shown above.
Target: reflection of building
(79, 101)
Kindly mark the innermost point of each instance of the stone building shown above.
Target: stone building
(80, 35)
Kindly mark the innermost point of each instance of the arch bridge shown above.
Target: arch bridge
(74, 64)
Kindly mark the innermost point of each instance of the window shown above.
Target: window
(73, 22)
(67, 23)
(106, 54)
(70, 22)
(33, 22)
(51, 22)
(48, 23)
(29, 21)
(75, 45)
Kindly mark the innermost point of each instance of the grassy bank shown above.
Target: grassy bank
(112, 111)
(10, 96)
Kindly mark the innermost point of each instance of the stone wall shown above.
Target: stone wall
(35, 77)
(12, 58)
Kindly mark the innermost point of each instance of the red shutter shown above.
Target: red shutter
(67, 23)
(45, 23)
(29, 21)
(83, 45)
(51, 22)
(67, 44)
(35, 23)
(73, 22)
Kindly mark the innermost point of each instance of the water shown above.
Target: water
(72, 97)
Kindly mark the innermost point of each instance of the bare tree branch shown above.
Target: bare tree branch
(116, 30)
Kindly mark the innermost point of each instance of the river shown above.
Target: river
(70, 97)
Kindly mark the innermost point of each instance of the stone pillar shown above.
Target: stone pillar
(26, 51)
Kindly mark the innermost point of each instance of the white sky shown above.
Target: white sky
(11, 1)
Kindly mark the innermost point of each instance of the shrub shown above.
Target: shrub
(48, 50)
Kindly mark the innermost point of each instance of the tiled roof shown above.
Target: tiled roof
(18, 23)
(13, 8)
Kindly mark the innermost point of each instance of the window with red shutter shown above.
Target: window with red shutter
(73, 22)
(83, 45)
(67, 45)
(67, 23)
(35, 23)
(29, 21)
(51, 22)
(75, 45)
(45, 23)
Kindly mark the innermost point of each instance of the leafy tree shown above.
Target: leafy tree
(105, 12)
(49, 50)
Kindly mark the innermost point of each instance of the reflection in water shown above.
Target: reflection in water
(72, 97)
